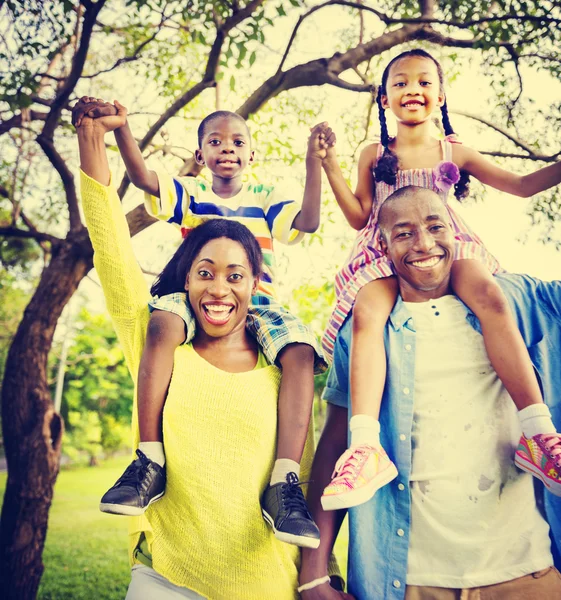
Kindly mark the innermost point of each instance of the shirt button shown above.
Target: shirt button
(408, 347)
(400, 487)
(396, 583)
(406, 391)
(402, 437)
(400, 532)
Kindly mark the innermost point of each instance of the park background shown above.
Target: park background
(284, 64)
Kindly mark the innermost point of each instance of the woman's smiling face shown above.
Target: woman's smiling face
(220, 284)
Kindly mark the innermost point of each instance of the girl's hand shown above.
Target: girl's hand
(95, 114)
(321, 141)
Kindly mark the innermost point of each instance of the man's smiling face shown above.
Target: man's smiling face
(418, 240)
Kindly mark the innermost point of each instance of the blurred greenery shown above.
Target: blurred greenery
(85, 554)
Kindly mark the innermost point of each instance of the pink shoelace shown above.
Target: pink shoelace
(348, 465)
(551, 445)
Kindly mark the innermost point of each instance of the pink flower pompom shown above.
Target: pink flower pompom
(446, 174)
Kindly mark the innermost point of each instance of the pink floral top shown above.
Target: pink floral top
(367, 262)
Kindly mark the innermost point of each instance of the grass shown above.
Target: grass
(85, 553)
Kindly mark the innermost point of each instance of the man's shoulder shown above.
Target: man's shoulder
(531, 294)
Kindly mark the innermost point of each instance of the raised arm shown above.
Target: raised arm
(358, 206)
(524, 186)
(124, 287)
(139, 174)
(320, 139)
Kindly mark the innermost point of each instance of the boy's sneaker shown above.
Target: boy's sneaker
(541, 456)
(359, 472)
(142, 483)
(284, 507)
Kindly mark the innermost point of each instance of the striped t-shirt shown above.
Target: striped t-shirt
(187, 202)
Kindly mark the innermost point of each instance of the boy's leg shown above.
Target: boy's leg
(539, 451)
(365, 467)
(284, 506)
(144, 480)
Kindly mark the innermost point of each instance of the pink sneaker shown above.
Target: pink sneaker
(541, 457)
(359, 472)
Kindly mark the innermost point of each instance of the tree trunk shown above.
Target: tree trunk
(32, 429)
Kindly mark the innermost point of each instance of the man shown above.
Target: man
(460, 520)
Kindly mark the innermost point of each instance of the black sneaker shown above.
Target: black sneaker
(142, 483)
(285, 509)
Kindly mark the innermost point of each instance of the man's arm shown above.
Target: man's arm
(332, 443)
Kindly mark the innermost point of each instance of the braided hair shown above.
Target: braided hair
(387, 166)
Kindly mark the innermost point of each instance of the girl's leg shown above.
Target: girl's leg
(539, 450)
(144, 480)
(476, 287)
(365, 467)
(371, 311)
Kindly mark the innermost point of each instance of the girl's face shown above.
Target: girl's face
(220, 285)
(413, 90)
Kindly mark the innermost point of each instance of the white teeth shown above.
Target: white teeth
(431, 262)
(218, 308)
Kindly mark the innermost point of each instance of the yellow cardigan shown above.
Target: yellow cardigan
(207, 533)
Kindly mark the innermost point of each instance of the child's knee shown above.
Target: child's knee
(165, 329)
(489, 297)
(301, 356)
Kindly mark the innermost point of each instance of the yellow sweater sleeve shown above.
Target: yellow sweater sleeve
(125, 289)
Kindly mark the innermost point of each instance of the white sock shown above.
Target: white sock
(284, 466)
(365, 429)
(536, 419)
(154, 451)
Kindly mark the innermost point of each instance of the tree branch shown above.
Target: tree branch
(18, 120)
(532, 154)
(92, 10)
(67, 178)
(326, 70)
(34, 235)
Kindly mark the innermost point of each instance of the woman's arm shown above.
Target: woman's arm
(519, 185)
(358, 206)
(124, 287)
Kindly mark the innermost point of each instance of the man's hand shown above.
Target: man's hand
(99, 115)
(321, 141)
(325, 592)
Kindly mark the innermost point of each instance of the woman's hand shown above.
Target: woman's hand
(97, 115)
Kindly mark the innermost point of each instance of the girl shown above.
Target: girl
(412, 88)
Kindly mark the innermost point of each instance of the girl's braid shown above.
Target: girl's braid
(461, 189)
(386, 168)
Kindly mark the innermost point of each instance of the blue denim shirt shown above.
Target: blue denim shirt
(379, 529)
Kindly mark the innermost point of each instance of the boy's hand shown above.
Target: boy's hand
(321, 142)
(99, 115)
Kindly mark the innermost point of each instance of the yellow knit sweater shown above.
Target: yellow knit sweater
(207, 532)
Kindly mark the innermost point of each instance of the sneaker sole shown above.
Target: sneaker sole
(522, 463)
(290, 538)
(127, 511)
(361, 495)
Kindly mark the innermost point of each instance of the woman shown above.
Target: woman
(205, 538)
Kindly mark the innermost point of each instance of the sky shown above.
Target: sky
(500, 220)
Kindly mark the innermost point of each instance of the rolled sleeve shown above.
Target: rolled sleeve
(337, 388)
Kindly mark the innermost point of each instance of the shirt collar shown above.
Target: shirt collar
(400, 316)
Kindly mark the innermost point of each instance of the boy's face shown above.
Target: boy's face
(226, 148)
